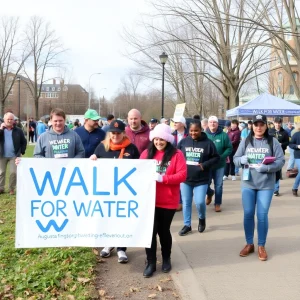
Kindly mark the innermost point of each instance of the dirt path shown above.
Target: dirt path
(126, 281)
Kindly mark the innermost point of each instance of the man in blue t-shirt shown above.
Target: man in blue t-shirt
(12, 144)
(245, 132)
(90, 133)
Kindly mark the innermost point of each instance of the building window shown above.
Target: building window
(279, 77)
(289, 55)
(278, 90)
(295, 76)
(11, 92)
(292, 91)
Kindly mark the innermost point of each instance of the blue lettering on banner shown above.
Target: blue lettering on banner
(56, 208)
(106, 208)
(80, 183)
(97, 208)
(50, 224)
(123, 180)
(47, 177)
(55, 191)
(59, 207)
(120, 208)
(95, 192)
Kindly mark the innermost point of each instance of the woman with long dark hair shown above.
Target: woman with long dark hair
(258, 181)
(170, 172)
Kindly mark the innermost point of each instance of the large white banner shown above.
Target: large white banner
(80, 202)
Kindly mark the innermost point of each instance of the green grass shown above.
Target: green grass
(41, 273)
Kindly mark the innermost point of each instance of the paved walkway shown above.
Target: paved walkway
(207, 266)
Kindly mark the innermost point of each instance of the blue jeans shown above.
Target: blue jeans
(297, 179)
(262, 199)
(276, 187)
(187, 199)
(291, 162)
(217, 176)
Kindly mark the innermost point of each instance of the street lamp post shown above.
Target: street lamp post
(19, 100)
(100, 99)
(90, 87)
(163, 59)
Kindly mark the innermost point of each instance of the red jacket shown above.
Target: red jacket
(139, 138)
(235, 138)
(168, 191)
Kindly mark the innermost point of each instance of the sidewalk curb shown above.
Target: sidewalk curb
(184, 277)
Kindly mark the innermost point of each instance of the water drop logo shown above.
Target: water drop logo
(53, 224)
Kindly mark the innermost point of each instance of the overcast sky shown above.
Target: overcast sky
(90, 29)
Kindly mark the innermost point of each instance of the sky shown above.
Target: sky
(91, 31)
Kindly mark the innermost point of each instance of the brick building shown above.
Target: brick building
(280, 84)
(72, 98)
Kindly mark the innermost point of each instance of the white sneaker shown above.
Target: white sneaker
(122, 257)
(233, 178)
(225, 177)
(106, 252)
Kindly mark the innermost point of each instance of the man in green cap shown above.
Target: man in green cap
(90, 133)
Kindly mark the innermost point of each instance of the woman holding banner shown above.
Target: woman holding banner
(170, 172)
(116, 145)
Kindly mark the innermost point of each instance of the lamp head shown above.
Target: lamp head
(163, 58)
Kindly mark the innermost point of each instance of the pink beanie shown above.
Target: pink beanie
(162, 131)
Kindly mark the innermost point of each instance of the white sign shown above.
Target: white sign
(73, 118)
(179, 110)
(80, 202)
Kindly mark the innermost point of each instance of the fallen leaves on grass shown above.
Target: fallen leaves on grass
(102, 293)
(7, 288)
(83, 280)
(1, 222)
(95, 251)
(73, 288)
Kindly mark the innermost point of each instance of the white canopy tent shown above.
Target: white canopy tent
(265, 104)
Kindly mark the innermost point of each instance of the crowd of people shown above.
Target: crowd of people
(193, 161)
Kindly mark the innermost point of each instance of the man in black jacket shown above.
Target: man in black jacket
(12, 144)
(283, 138)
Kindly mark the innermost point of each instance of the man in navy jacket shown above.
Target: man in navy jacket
(90, 133)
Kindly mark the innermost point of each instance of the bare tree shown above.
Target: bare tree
(231, 48)
(281, 22)
(45, 49)
(13, 54)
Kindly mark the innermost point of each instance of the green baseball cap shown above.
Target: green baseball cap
(91, 114)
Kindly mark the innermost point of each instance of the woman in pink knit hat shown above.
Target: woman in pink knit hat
(170, 172)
